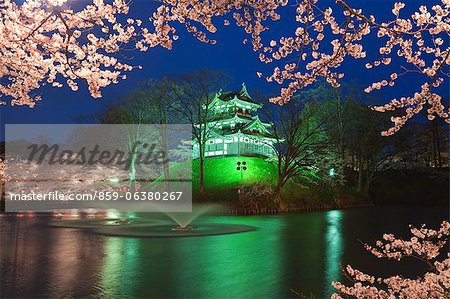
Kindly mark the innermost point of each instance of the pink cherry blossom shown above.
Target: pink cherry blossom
(49, 42)
(426, 245)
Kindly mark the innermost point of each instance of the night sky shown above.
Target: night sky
(229, 54)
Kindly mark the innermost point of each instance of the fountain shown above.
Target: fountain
(157, 225)
(167, 230)
(184, 219)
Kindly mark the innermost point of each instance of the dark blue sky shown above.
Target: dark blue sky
(229, 54)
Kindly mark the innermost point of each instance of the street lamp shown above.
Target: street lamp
(241, 167)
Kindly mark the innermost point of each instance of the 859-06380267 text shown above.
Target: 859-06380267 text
(98, 195)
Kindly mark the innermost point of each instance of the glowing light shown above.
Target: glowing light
(112, 214)
(332, 172)
(114, 180)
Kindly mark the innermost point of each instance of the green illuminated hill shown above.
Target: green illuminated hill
(222, 180)
(222, 173)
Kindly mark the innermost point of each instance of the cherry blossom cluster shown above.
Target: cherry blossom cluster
(419, 42)
(47, 42)
(198, 17)
(2, 171)
(25, 175)
(325, 38)
(306, 45)
(426, 245)
(50, 42)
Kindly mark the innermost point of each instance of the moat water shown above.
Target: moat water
(302, 252)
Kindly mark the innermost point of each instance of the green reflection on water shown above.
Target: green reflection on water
(118, 272)
(235, 265)
(333, 248)
(252, 260)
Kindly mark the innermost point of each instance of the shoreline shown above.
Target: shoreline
(252, 212)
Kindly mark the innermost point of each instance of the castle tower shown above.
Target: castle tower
(236, 128)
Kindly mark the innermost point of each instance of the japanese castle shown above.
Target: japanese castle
(235, 129)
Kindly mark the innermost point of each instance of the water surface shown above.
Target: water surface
(302, 252)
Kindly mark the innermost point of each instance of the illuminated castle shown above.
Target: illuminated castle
(235, 129)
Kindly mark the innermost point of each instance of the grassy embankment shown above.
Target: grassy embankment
(222, 181)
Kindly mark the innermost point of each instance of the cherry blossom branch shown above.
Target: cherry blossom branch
(401, 33)
(65, 47)
(89, 56)
(424, 245)
(37, 27)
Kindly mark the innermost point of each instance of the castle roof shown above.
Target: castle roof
(241, 132)
(256, 125)
(241, 94)
(235, 117)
